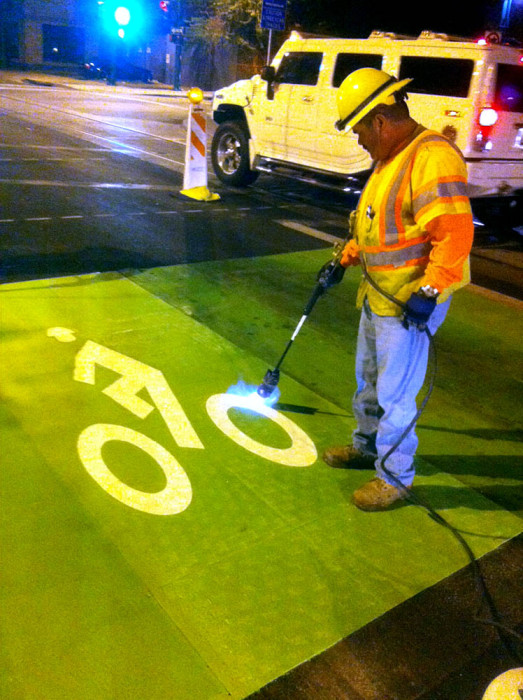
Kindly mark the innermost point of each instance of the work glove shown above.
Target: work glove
(349, 256)
(330, 274)
(418, 310)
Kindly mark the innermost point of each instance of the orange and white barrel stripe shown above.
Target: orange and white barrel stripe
(195, 173)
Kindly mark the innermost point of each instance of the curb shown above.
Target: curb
(46, 80)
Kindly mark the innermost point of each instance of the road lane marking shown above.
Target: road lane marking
(101, 185)
(302, 228)
(70, 217)
(64, 159)
(132, 150)
(54, 148)
(98, 120)
(309, 231)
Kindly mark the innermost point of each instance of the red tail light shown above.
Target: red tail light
(488, 117)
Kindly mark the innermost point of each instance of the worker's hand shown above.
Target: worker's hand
(330, 274)
(418, 310)
(350, 254)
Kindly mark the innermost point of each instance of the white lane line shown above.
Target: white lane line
(69, 217)
(53, 148)
(64, 159)
(102, 185)
(294, 225)
(34, 88)
(134, 151)
(99, 120)
(309, 231)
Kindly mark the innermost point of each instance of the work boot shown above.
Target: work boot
(347, 457)
(376, 494)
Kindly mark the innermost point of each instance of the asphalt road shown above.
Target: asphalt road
(91, 182)
(91, 176)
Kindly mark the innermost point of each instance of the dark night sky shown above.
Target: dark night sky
(357, 18)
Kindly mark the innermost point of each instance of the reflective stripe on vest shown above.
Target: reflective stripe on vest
(399, 257)
(450, 189)
(391, 227)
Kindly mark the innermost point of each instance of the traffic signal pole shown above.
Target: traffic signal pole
(173, 9)
(177, 40)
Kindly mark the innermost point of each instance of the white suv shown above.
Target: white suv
(283, 120)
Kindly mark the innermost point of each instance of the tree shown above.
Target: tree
(224, 27)
(235, 22)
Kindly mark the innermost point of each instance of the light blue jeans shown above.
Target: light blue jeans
(391, 363)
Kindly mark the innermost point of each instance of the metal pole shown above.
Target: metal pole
(177, 65)
(269, 48)
(505, 14)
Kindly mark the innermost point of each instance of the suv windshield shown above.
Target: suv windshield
(437, 76)
(509, 88)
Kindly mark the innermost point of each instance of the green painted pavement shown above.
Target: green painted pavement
(472, 426)
(76, 619)
(268, 564)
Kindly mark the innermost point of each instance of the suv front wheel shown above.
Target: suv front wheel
(230, 155)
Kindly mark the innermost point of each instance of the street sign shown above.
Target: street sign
(493, 37)
(176, 35)
(273, 14)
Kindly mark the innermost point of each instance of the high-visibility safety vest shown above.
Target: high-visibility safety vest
(413, 224)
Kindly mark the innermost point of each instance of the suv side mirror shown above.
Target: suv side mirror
(269, 74)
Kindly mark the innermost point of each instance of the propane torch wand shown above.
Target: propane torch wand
(330, 274)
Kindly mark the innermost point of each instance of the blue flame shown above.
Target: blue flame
(251, 392)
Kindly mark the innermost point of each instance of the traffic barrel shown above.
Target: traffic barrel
(195, 171)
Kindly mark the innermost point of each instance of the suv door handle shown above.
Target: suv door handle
(307, 98)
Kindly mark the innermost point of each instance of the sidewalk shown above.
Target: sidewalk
(49, 80)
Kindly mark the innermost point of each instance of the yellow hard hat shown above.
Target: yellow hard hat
(507, 686)
(363, 90)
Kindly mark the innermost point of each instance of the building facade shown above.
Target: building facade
(65, 36)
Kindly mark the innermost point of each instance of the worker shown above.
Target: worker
(412, 235)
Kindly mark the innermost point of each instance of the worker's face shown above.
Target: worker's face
(370, 137)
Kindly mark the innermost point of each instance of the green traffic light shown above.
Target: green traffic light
(125, 20)
(122, 16)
